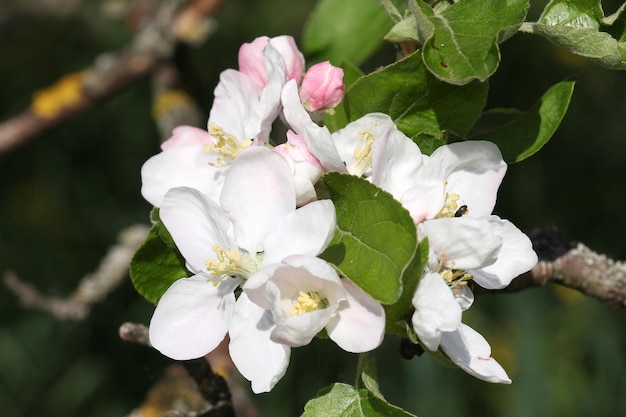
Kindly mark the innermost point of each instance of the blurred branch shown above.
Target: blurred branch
(92, 288)
(573, 265)
(110, 72)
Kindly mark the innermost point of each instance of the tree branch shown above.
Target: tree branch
(573, 265)
(92, 288)
(110, 72)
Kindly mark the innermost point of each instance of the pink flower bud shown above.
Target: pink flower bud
(322, 87)
(252, 61)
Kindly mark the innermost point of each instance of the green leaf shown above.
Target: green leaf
(417, 102)
(345, 401)
(464, 42)
(398, 315)
(375, 238)
(519, 135)
(344, 31)
(580, 27)
(157, 263)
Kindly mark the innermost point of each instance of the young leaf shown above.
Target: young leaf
(519, 135)
(369, 376)
(155, 266)
(345, 401)
(580, 27)
(332, 31)
(464, 43)
(375, 237)
(417, 102)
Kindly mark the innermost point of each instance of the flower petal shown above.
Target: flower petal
(196, 224)
(471, 352)
(436, 310)
(183, 165)
(305, 231)
(258, 193)
(192, 317)
(514, 258)
(259, 359)
(359, 324)
(295, 113)
(473, 170)
(462, 242)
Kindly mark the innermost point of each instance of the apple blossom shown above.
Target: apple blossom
(256, 224)
(286, 304)
(322, 87)
(238, 118)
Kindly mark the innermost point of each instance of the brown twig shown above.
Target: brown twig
(110, 72)
(576, 266)
(92, 288)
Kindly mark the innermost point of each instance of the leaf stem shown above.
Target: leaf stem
(360, 367)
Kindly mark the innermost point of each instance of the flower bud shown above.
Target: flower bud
(322, 87)
(252, 61)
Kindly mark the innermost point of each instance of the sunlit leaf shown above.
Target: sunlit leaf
(463, 45)
(417, 102)
(580, 27)
(345, 401)
(521, 134)
(375, 238)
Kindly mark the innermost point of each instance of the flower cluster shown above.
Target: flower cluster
(247, 219)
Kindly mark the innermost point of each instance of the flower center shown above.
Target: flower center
(232, 262)
(226, 145)
(455, 278)
(362, 154)
(308, 302)
(452, 209)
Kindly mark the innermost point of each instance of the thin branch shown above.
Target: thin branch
(574, 265)
(110, 72)
(92, 288)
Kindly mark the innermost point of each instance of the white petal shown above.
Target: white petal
(235, 106)
(258, 193)
(359, 324)
(295, 113)
(269, 103)
(464, 296)
(471, 352)
(396, 160)
(184, 165)
(463, 242)
(436, 310)
(515, 257)
(192, 318)
(321, 144)
(474, 171)
(306, 231)
(196, 224)
(259, 359)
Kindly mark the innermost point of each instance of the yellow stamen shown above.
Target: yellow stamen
(226, 145)
(308, 302)
(231, 262)
(451, 206)
(363, 154)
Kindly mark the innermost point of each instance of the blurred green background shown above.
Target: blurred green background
(66, 194)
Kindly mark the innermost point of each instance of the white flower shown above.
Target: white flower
(239, 117)
(256, 224)
(285, 305)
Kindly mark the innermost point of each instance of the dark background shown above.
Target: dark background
(65, 195)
